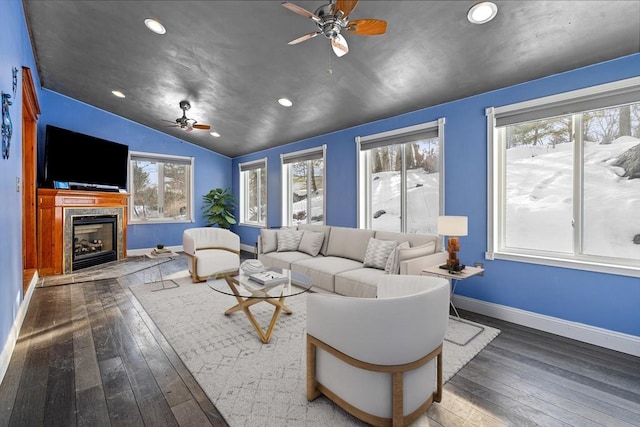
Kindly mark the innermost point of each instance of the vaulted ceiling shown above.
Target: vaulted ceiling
(231, 60)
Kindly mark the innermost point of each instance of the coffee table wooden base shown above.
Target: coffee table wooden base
(245, 303)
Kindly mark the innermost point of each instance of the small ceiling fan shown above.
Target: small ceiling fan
(186, 123)
(333, 18)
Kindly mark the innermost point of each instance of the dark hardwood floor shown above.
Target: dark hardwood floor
(88, 354)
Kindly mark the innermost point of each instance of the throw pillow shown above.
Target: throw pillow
(378, 252)
(288, 240)
(311, 242)
(393, 262)
(269, 240)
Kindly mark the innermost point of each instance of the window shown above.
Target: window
(161, 188)
(565, 181)
(400, 185)
(253, 192)
(303, 186)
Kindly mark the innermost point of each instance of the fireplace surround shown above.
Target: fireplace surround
(56, 212)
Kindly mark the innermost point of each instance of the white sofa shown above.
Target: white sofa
(380, 359)
(213, 251)
(340, 263)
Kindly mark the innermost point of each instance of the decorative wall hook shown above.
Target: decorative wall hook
(7, 127)
(15, 80)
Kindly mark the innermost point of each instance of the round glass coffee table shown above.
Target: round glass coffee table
(248, 292)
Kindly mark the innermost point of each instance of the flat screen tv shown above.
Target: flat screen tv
(77, 161)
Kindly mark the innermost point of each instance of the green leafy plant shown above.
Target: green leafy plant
(218, 205)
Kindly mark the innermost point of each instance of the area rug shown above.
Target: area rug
(254, 384)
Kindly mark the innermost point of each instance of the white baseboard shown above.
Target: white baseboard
(612, 340)
(12, 339)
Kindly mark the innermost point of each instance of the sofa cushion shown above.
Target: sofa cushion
(322, 270)
(359, 283)
(321, 228)
(418, 251)
(378, 252)
(282, 259)
(349, 243)
(269, 240)
(288, 240)
(393, 262)
(413, 239)
(311, 242)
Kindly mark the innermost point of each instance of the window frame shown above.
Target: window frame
(393, 137)
(310, 154)
(568, 103)
(163, 158)
(242, 169)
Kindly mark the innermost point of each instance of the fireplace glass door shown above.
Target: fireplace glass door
(94, 240)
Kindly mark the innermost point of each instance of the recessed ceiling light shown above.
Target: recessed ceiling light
(155, 26)
(118, 93)
(482, 13)
(214, 134)
(285, 102)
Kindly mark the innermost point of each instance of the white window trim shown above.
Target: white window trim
(495, 190)
(286, 196)
(260, 163)
(161, 157)
(363, 184)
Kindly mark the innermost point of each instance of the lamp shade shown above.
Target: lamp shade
(452, 225)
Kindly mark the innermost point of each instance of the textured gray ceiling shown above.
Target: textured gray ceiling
(231, 60)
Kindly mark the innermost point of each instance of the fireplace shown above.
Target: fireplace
(88, 253)
(56, 212)
(94, 240)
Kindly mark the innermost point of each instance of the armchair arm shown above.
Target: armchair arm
(188, 244)
(414, 266)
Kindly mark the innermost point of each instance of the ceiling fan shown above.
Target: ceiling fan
(186, 123)
(333, 18)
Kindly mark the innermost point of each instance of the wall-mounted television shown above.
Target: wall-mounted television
(83, 162)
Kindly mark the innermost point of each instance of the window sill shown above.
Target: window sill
(550, 261)
(252, 224)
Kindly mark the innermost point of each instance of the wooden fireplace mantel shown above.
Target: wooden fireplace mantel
(51, 206)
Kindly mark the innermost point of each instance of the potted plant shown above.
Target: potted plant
(218, 205)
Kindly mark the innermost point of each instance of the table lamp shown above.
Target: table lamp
(452, 226)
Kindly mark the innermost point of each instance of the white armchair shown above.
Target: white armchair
(213, 251)
(380, 359)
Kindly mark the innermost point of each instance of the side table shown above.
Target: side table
(158, 257)
(453, 278)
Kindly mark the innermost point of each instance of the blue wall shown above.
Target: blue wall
(602, 300)
(15, 51)
(211, 170)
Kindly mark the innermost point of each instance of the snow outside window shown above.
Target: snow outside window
(400, 179)
(161, 188)
(253, 193)
(565, 180)
(303, 186)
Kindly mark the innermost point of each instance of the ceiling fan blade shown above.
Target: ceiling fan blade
(339, 45)
(300, 11)
(346, 6)
(367, 27)
(308, 36)
(199, 126)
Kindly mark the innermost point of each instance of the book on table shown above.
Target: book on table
(269, 277)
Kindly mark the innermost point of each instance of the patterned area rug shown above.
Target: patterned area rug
(255, 384)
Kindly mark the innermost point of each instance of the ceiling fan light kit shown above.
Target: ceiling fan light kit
(187, 123)
(332, 18)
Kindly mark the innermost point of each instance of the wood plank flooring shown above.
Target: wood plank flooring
(88, 354)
